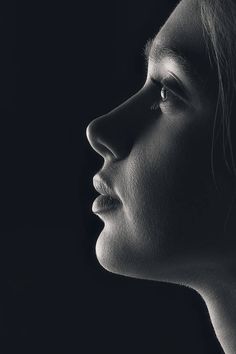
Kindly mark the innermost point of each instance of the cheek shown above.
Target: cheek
(150, 171)
(169, 189)
(168, 199)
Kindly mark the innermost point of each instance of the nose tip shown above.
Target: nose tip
(97, 136)
(112, 135)
(89, 133)
(93, 136)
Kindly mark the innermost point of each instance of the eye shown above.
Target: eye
(169, 94)
(164, 94)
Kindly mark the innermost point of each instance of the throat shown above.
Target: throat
(220, 300)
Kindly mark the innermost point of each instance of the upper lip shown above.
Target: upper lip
(102, 186)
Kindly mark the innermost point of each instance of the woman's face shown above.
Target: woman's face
(157, 161)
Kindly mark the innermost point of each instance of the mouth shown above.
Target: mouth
(107, 201)
(104, 203)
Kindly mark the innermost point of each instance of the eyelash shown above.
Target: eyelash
(171, 99)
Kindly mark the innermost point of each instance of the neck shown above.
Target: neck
(219, 294)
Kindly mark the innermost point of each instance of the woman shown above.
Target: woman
(168, 181)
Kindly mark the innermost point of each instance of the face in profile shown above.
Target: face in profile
(163, 215)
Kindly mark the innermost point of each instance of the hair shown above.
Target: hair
(219, 26)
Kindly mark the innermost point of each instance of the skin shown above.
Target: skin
(170, 224)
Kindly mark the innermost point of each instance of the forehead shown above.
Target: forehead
(183, 33)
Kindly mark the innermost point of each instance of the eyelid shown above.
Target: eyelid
(172, 83)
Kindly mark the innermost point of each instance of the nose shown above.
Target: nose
(105, 138)
(112, 135)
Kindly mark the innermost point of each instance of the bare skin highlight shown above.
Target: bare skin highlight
(163, 149)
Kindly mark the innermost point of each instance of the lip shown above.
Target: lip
(108, 200)
(104, 204)
(103, 187)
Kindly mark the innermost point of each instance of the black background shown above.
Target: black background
(70, 62)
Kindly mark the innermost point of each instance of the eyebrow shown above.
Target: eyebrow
(158, 52)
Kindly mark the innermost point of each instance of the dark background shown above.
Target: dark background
(63, 64)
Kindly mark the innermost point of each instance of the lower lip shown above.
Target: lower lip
(104, 203)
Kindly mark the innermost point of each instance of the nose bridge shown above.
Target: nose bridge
(129, 107)
(112, 134)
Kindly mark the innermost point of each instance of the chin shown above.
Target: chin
(116, 258)
(111, 258)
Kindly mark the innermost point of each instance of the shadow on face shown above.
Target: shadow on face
(163, 216)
